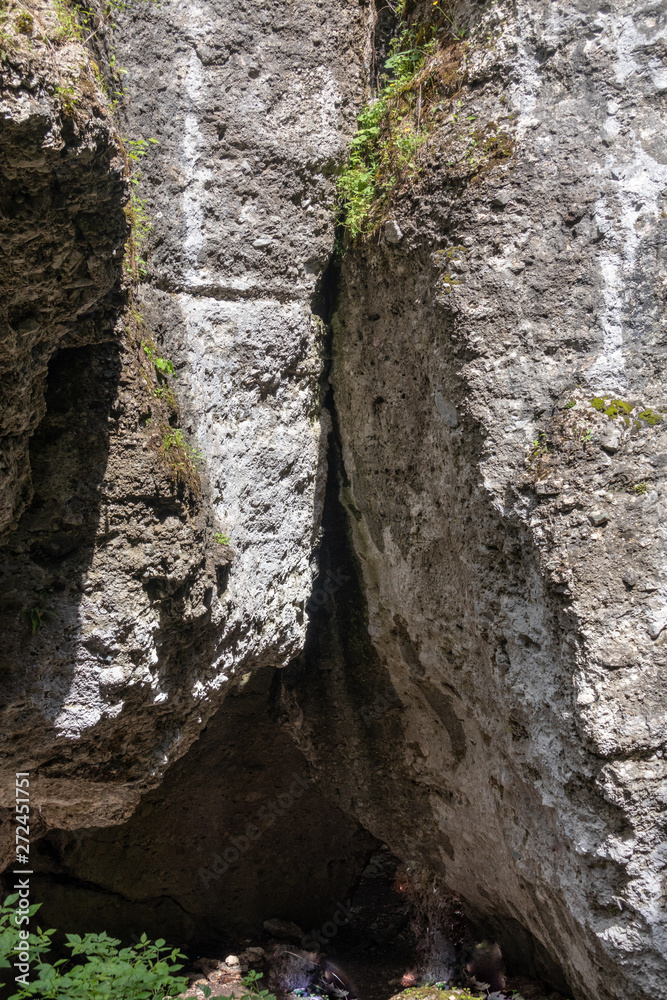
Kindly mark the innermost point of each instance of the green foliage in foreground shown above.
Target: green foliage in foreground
(97, 969)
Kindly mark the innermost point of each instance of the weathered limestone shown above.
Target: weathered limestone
(482, 684)
(145, 623)
(516, 584)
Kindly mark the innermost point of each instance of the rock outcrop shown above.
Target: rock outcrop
(126, 623)
(459, 557)
(501, 406)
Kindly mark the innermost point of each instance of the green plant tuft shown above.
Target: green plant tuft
(182, 458)
(162, 364)
(37, 616)
(389, 133)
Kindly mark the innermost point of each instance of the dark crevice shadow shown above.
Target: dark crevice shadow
(236, 833)
(45, 561)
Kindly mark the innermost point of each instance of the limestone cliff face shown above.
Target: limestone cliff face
(478, 679)
(144, 624)
(505, 513)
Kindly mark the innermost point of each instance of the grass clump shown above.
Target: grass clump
(181, 458)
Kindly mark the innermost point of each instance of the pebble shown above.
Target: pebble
(502, 198)
(392, 231)
(611, 439)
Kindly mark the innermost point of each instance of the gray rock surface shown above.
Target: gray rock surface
(144, 620)
(521, 754)
(482, 685)
(62, 230)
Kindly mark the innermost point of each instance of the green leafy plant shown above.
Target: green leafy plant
(640, 488)
(162, 364)
(136, 149)
(37, 616)
(70, 28)
(165, 393)
(97, 969)
(221, 539)
(136, 213)
(424, 73)
(67, 96)
(539, 446)
(382, 152)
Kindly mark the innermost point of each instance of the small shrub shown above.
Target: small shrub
(97, 968)
(221, 539)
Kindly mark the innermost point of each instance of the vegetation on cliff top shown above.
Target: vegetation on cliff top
(425, 73)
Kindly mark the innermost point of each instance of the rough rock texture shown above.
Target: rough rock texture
(505, 723)
(143, 620)
(62, 229)
(253, 108)
(482, 685)
(110, 566)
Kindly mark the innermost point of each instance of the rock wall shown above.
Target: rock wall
(476, 636)
(142, 624)
(506, 727)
